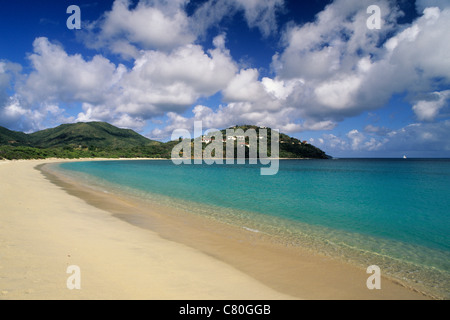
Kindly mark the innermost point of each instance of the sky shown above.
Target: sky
(351, 81)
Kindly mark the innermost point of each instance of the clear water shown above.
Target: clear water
(392, 213)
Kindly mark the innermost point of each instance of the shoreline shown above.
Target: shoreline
(249, 252)
(44, 230)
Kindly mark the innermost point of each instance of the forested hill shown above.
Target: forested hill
(103, 140)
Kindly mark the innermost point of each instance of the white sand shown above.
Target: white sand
(43, 230)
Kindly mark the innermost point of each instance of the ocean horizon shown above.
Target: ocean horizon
(387, 212)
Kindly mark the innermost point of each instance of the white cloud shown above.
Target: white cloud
(353, 142)
(344, 69)
(266, 95)
(334, 42)
(59, 77)
(280, 89)
(380, 131)
(428, 110)
(356, 139)
(8, 71)
(244, 87)
(421, 136)
(423, 4)
(240, 113)
(103, 113)
(331, 143)
(162, 82)
(334, 57)
(327, 70)
(336, 67)
(158, 83)
(318, 125)
(165, 26)
(261, 14)
(161, 25)
(417, 140)
(338, 94)
(14, 114)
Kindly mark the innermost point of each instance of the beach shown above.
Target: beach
(126, 252)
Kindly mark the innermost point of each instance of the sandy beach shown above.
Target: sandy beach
(46, 227)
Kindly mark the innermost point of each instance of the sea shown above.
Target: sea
(393, 213)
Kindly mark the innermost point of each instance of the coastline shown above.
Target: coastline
(43, 230)
(273, 271)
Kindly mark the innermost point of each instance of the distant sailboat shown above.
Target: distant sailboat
(404, 157)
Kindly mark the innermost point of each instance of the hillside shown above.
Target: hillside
(80, 140)
(92, 135)
(102, 140)
(289, 148)
(14, 138)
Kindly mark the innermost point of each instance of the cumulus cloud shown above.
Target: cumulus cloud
(347, 69)
(165, 25)
(103, 113)
(335, 67)
(356, 138)
(265, 95)
(57, 76)
(417, 139)
(261, 14)
(432, 137)
(326, 70)
(15, 115)
(353, 140)
(428, 110)
(151, 25)
(159, 82)
(240, 113)
(334, 57)
(15, 112)
(334, 42)
(380, 131)
(169, 73)
(244, 87)
(8, 71)
(423, 4)
(330, 143)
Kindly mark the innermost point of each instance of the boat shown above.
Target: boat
(404, 157)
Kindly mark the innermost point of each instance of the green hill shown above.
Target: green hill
(289, 147)
(80, 140)
(13, 138)
(92, 135)
(102, 140)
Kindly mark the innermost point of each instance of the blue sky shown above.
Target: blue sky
(312, 69)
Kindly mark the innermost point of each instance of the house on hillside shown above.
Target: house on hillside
(206, 139)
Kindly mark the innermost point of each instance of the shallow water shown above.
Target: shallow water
(391, 213)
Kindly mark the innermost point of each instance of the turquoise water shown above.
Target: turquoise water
(393, 213)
